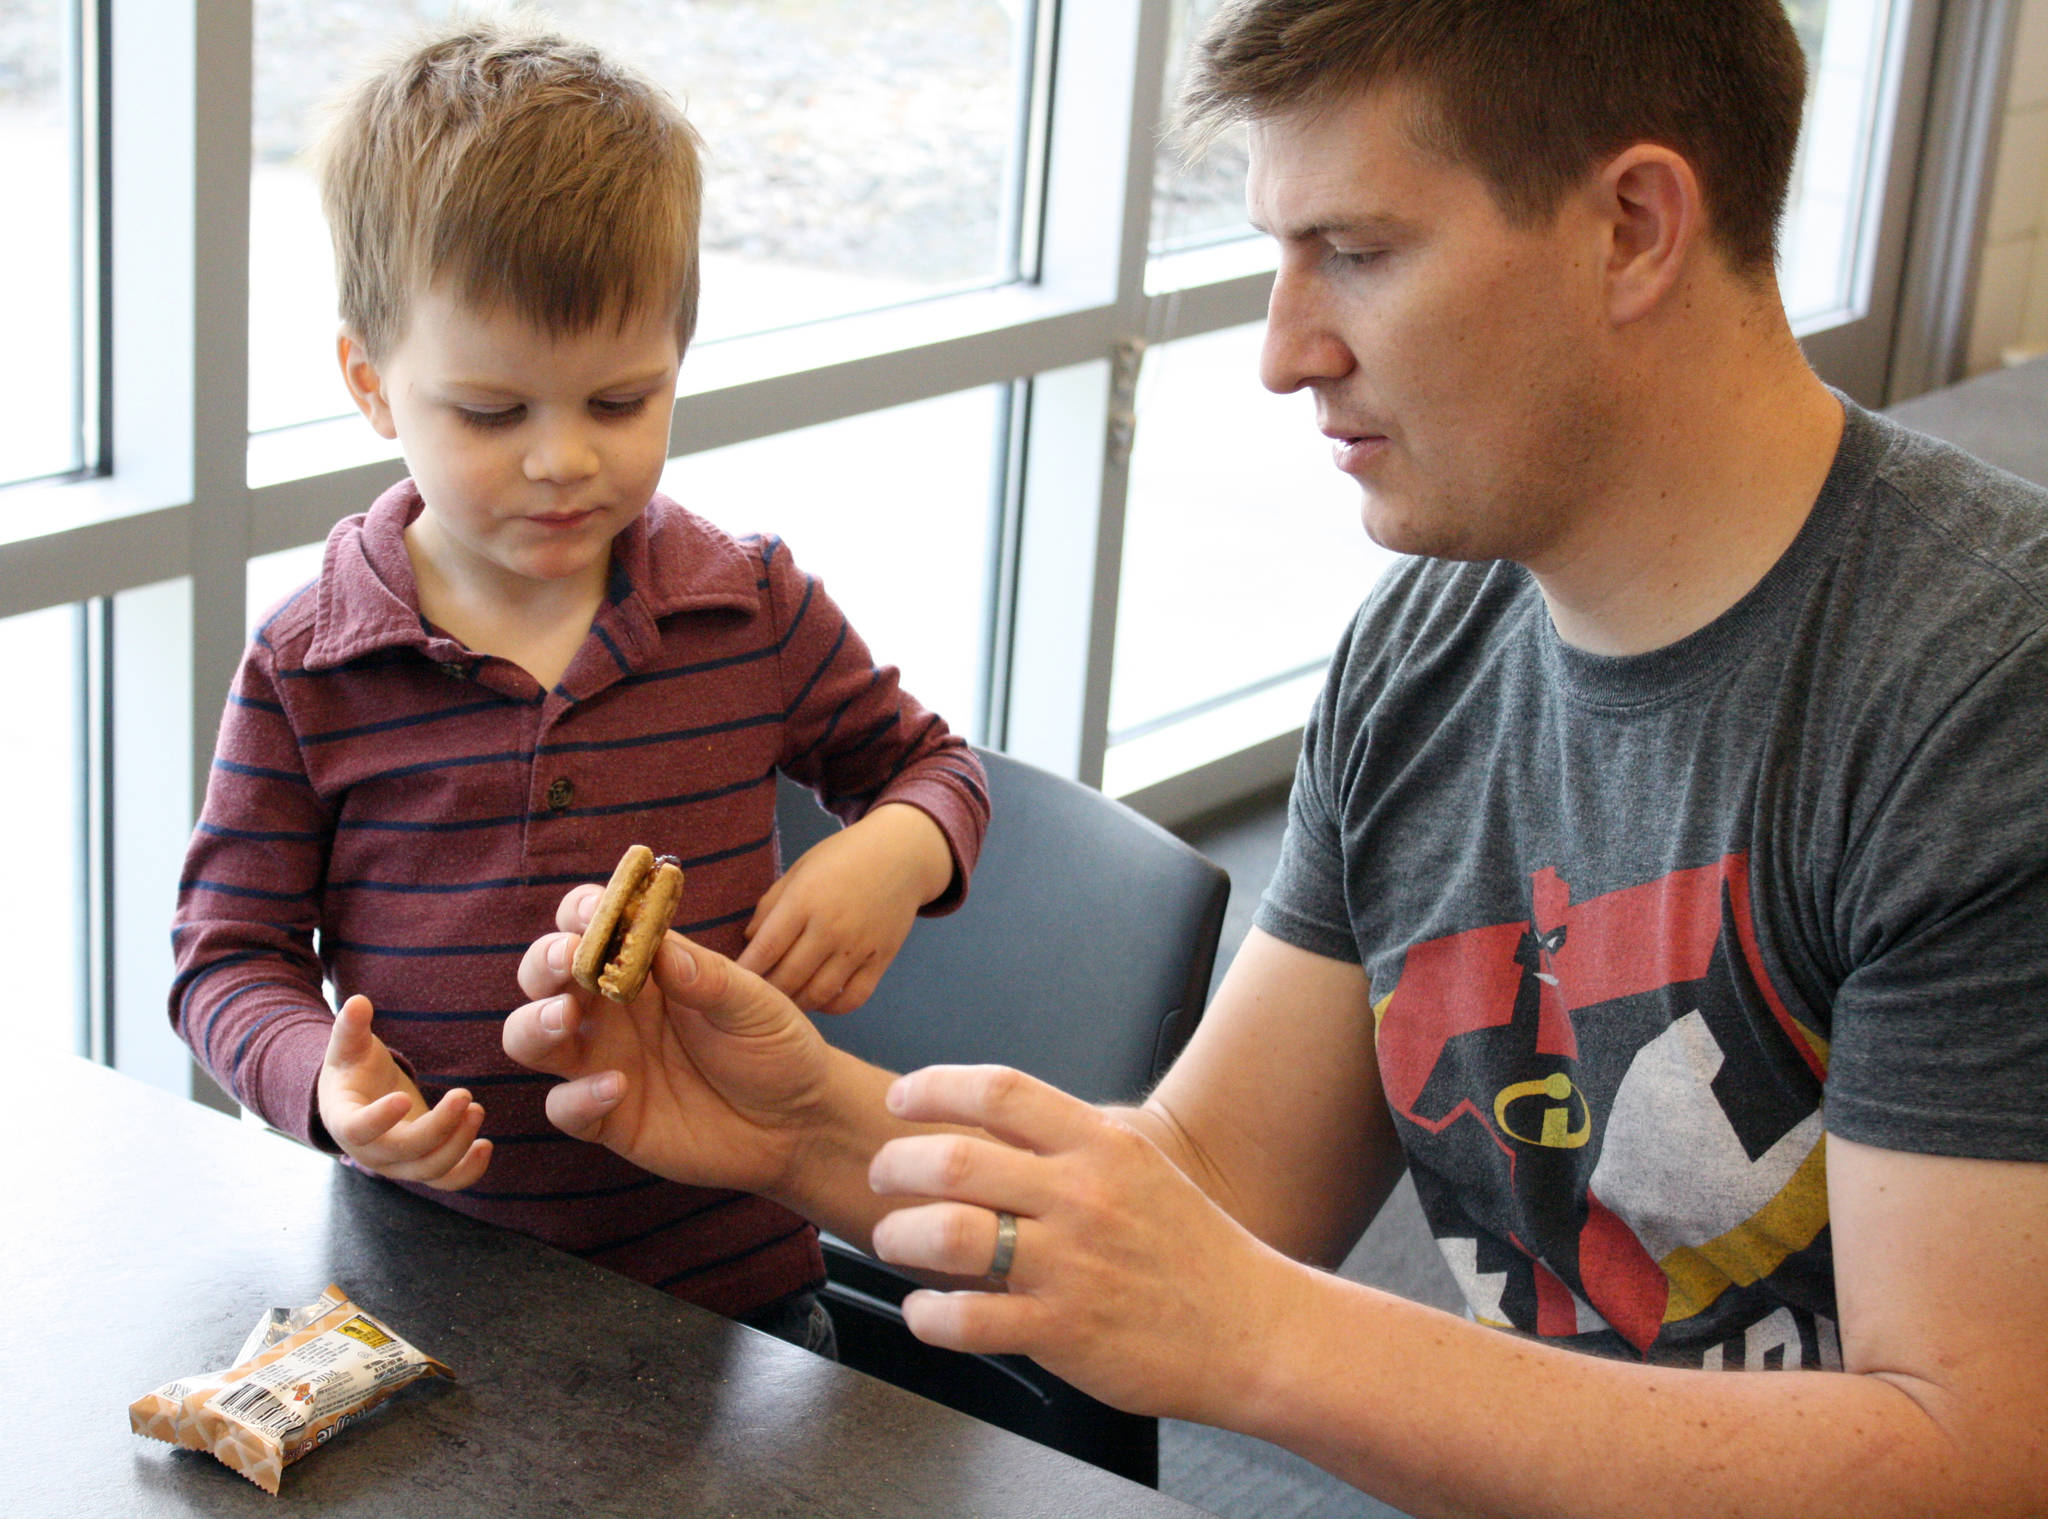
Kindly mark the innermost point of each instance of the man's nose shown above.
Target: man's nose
(562, 453)
(1301, 345)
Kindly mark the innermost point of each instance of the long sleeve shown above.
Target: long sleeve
(247, 995)
(854, 734)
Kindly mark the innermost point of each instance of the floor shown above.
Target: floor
(1232, 1475)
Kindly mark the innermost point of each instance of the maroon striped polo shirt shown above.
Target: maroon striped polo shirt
(399, 816)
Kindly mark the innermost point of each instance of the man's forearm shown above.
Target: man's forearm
(1441, 1416)
(827, 1180)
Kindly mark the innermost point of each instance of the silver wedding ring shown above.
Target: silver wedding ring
(1006, 1246)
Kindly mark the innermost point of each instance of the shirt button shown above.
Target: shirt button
(561, 791)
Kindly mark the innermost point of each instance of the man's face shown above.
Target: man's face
(1455, 358)
(531, 450)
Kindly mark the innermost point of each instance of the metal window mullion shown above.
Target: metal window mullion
(97, 327)
(177, 249)
(220, 523)
(748, 388)
(78, 94)
(221, 507)
(1109, 64)
(94, 728)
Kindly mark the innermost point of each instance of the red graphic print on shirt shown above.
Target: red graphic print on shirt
(1604, 1144)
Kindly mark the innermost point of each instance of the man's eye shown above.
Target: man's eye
(605, 408)
(1353, 258)
(486, 421)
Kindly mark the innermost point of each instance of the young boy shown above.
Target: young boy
(522, 660)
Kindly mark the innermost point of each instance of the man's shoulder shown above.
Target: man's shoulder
(1984, 529)
(1942, 569)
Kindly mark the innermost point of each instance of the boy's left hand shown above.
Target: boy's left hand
(823, 934)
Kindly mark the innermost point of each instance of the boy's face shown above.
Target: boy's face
(1454, 357)
(530, 451)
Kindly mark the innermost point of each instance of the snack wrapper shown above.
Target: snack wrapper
(303, 1376)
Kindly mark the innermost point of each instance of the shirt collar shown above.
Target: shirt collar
(667, 560)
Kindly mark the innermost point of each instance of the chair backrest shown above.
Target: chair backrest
(1082, 954)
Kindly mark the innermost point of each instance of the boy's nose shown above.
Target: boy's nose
(561, 455)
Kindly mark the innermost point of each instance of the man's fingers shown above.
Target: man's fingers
(961, 1168)
(1018, 1109)
(541, 1035)
(544, 968)
(953, 1239)
(579, 1108)
(575, 909)
(732, 1000)
(979, 1323)
(351, 1040)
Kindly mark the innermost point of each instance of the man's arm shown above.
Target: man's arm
(1275, 1107)
(1133, 1283)
(1128, 1284)
(1937, 1410)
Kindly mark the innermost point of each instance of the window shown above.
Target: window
(42, 880)
(1203, 202)
(858, 156)
(894, 512)
(42, 142)
(972, 343)
(1220, 477)
(1243, 559)
(1843, 246)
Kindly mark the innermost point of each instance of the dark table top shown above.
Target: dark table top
(144, 1235)
(2001, 417)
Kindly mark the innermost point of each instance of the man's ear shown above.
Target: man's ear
(1650, 198)
(365, 382)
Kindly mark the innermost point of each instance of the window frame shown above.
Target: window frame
(160, 537)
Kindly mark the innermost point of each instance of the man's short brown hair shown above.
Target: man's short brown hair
(1532, 94)
(529, 171)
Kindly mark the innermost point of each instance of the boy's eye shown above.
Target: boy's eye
(486, 420)
(625, 408)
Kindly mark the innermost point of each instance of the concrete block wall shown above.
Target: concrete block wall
(2011, 316)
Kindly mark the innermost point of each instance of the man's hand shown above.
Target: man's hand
(1127, 1280)
(372, 1109)
(827, 929)
(709, 1076)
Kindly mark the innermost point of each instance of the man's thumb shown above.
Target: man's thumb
(731, 1000)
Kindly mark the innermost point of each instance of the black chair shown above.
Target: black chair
(1082, 955)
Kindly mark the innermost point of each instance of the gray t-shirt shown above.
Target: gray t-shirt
(1639, 929)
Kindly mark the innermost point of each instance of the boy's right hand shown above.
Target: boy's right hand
(376, 1114)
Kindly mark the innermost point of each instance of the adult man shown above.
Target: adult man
(1690, 782)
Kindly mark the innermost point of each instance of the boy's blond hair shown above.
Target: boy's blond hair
(527, 170)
